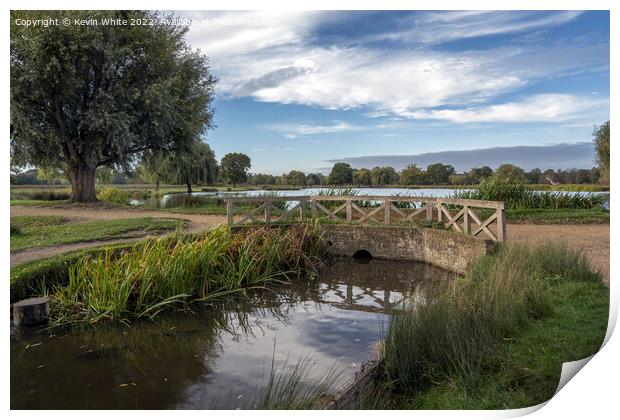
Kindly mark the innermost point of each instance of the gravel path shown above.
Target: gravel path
(593, 240)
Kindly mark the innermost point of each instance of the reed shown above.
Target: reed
(294, 387)
(180, 268)
(519, 195)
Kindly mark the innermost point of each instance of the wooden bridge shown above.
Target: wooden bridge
(471, 217)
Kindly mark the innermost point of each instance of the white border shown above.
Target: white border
(592, 393)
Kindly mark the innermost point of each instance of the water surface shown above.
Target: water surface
(218, 355)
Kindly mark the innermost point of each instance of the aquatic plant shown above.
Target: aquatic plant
(180, 267)
(293, 387)
(519, 195)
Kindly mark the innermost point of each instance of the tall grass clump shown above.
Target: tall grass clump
(519, 195)
(280, 205)
(457, 334)
(179, 268)
(292, 387)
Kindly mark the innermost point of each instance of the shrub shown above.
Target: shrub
(113, 195)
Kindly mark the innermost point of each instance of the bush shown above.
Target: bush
(113, 195)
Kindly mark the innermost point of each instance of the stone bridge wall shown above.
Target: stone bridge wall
(446, 249)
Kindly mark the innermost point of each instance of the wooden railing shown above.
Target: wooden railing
(457, 214)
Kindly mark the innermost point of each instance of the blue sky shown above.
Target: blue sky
(298, 90)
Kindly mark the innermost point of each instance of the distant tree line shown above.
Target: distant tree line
(435, 174)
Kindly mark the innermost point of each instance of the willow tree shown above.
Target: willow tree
(196, 164)
(91, 96)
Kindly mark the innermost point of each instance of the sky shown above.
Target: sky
(301, 90)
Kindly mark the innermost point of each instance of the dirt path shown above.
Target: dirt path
(197, 222)
(19, 257)
(593, 240)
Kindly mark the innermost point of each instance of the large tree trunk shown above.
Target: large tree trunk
(189, 185)
(82, 179)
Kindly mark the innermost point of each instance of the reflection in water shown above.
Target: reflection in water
(216, 355)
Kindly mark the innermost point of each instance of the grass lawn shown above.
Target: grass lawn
(40, 231)
(533, 357)
(559, 216)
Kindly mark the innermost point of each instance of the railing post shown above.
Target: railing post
(387, 204)
(229, 212)
(429, 211)
(349, 211)
(313, 208)
(440, 214)
(267, 211)
(501, 223)
(302, 210)
(466, 220)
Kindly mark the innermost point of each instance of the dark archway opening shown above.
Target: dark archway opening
(362, 256)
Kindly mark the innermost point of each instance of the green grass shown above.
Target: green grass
(558, 216)
(41, 231)
(534, 358)
(178, 268)
(51, 203)
(37, 221)
(498, 339)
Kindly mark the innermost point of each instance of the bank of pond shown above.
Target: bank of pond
(266, 318)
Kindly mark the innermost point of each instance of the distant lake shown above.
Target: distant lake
(182, 199)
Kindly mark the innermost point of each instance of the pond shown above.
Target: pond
(218, 355)
(173, 200)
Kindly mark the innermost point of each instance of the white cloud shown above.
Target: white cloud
(538, 108)
(293, 131)
(281, 63)
(436, 27)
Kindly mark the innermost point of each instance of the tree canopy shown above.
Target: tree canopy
(234, 167)
(92, 96)
(341, 173)
(190, 166)
(601, 141)
(510, 172)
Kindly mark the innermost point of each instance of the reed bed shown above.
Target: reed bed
(458, 334)
(180, 268)
(519, 195)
